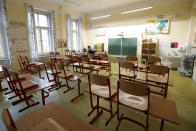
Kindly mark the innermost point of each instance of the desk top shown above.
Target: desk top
(63, 117)
(164, 109)
(41, 83)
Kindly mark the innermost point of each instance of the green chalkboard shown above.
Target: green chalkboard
(129, 46)
(114, 46)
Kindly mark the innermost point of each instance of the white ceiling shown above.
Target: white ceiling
(103, 7)
(92, 7)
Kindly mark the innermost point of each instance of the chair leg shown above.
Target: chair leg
(147, 124)
(98, 112)
(111, 114)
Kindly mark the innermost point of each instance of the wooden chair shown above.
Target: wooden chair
(22, 87)
(104, 62)
(22, 59)
(100, 86)
(10, 83)
(60, 67)
(158, 76)
(127, 70)
(51, 70)
(152, 60)
(22, 68)
(36, 65)
(135, 96)
(132, 59)
(73, 52)
(76, 63)
(86, 64)
(67, 53)
(8, 120)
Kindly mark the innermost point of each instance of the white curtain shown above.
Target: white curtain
(69, 33)
(53, 33)
(31, 32)
(79, 34)
(5, 41)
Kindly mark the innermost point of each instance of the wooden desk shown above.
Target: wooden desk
(42, 84)
(164, 109)
(63, 117)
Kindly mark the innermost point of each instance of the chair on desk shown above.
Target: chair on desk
(76, 63)
(135, 96)
(158, 76)
(8, 121)
(86, 64)
(50, 70)
(10, 83)
(73, 52)
(153, 60)
(104, 62)
(127, 70)
(132, 59)
(23, 86)
(62, 73)
(100, 86)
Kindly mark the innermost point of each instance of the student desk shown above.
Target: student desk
(42, 84)
(60, 115)
(164, 109)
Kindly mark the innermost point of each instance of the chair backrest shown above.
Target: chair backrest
(67, 52)
(132, 59)
(73, 52)
(151, 60)
(20, 62)
(75, 59)
(90, 56)
(8, 121)
(127, 65)
(57, 54)
(133, 88)
(85, 59)
(16, 79)
(51, 54)
(158, 69)
(98, 79)
(103, 57)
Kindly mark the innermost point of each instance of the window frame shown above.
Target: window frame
(40, 28)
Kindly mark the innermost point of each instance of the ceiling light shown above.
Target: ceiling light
(99, 17)
(130, 11)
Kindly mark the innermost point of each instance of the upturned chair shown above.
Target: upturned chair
(132, 59)
(127, 70)
(158, 76)
(135, 96)
(152, 60)
(101, 88)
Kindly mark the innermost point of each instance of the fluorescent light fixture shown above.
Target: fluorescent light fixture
(99, 17)
(130, 11)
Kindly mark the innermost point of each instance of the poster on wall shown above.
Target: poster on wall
(151, 26)
(160, 26)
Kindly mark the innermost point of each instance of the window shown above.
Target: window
(43, 31)
(74, 35)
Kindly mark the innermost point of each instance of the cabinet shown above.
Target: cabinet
(148, 49)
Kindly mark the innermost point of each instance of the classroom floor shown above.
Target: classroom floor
(183, 93)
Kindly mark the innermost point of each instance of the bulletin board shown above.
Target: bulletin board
(18, 37)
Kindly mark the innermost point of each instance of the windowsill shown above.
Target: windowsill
(3, 59)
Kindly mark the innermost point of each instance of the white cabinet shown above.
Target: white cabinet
(194, 72)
